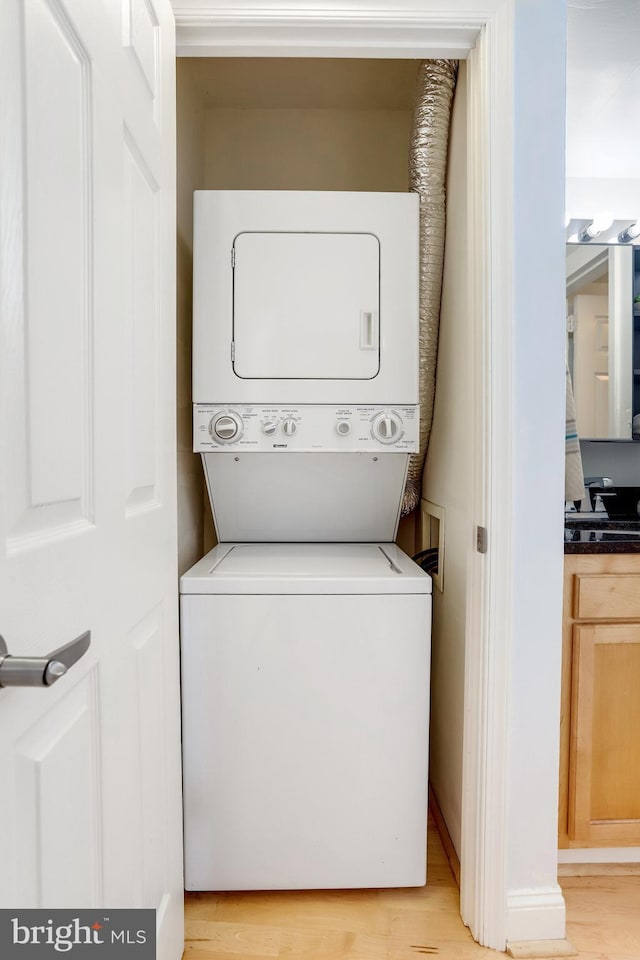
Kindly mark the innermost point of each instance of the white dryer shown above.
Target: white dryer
(305, 297)
(305, 672)
(305, 362)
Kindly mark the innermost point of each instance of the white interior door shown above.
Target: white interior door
(591, 365)
(90, 797)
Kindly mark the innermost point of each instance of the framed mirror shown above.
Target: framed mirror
(603, 338)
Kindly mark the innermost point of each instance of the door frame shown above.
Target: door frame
(509, 850)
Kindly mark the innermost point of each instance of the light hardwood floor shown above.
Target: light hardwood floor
(603, 916)
(603, 921)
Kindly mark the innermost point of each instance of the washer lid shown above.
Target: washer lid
(305, 568)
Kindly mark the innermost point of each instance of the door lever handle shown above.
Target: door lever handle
(41, 671)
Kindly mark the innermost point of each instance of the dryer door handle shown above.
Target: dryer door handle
(367, 330)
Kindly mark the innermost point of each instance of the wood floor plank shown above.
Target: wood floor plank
(240, 939)
(606, 955)
(355, 911)
(426, 926)
(601, 935)
(202, 952)
(432, 897)
(603, 915)
(302, 944)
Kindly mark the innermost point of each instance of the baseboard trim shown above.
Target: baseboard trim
(523, 949)
(445, 836)
(535, 915)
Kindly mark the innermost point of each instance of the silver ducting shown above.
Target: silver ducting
(427, 175)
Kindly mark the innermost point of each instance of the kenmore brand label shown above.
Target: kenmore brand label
(78, 934)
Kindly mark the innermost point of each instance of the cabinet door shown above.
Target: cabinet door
(604, 768)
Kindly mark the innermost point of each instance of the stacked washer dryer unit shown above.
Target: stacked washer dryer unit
(306, 631)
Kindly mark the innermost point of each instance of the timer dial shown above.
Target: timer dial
(225, 428)
(386, 427)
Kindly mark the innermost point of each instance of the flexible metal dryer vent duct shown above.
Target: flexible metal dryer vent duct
(436, 84)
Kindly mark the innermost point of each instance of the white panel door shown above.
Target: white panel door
(90, 797)
(306, 306)
(591, 365)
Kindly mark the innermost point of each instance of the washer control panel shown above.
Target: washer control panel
(305, 429)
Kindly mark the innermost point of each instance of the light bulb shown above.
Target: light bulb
(632, 231)
(602, 222)
(599, 223)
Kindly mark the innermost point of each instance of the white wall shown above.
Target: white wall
(535, 510)
(603, 83)
(446, 483)
(190, 131)
(589, 196)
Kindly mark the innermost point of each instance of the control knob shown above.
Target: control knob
(386, 427)
(225, 427)
(289, 427)
(269, 427)
(343, 428)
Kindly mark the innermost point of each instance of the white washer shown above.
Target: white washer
(305, 677)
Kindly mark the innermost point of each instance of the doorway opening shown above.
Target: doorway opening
(339, 124)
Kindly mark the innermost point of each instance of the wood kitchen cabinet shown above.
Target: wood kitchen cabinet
(600, 717)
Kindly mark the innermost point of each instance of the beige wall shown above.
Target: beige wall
(446, 483)
(354, 136)
(313, 149)
(243, 147)
(190, 161)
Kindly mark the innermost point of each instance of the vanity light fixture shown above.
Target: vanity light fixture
(631, 232)
(602, 222)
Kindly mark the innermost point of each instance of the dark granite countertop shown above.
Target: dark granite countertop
(591, 534)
